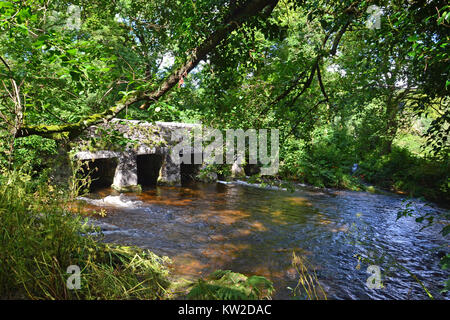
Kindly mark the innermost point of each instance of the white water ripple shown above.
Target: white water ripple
(120, 201)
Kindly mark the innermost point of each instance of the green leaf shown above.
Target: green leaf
(5, 4)
(72, 52)
(446, 230)
(413, 38)
(445, 262)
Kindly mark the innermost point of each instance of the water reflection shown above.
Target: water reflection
(255, 231)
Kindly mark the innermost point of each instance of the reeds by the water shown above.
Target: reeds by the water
(308, 284)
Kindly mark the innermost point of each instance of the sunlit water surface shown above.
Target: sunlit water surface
(251, 230)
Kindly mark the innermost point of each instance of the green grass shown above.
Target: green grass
(40, 237)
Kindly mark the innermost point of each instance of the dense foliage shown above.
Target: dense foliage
(341, 91)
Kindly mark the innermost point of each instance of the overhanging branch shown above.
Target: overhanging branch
(250, 9)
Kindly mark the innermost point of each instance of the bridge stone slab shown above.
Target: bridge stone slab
(148, 138)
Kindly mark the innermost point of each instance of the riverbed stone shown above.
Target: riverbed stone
(237, 170)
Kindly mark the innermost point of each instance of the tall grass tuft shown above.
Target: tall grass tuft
(308, 284)
(40, 237)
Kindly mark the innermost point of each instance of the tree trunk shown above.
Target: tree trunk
(391, 125)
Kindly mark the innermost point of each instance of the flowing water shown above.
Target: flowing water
(251, 230)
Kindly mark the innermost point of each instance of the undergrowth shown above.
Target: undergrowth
(228, 285)
(40, 238)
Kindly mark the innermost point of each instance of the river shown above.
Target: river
(204, 227)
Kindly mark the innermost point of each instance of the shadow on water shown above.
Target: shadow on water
(255, 231)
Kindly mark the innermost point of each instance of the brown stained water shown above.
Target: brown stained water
(250, 230)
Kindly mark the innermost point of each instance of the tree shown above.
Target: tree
(228, 20)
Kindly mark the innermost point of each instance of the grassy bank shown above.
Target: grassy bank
(40, 238)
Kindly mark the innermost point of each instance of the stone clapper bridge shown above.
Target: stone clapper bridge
(146, 161)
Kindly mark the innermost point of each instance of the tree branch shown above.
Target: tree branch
(250, 9)
(4, 62)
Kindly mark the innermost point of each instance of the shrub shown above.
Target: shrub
(403, 171)
(40, 237)
(322, 164)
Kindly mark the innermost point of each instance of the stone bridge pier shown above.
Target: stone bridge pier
(147, 162)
